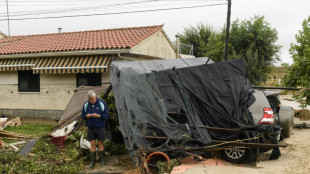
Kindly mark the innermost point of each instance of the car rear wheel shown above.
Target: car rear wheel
(287, 129)
(286, 122)
(236, 154)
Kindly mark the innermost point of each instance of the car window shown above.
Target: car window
(274, 103)
(257, 108)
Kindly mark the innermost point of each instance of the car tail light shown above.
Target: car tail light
(268, 117)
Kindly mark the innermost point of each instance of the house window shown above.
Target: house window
(28, 82)
(88, 79)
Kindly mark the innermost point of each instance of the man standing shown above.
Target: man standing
(95, 112)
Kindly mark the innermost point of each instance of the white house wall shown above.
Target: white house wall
(156, 45)
(55, 93)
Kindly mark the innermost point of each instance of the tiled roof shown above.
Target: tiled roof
(72, 41)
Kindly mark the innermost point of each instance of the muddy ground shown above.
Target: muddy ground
(295, 159)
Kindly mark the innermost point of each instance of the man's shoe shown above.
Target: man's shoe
(101, 153)
(92, 160)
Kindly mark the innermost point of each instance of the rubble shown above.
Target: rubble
(303, 125)
(14, 122)
(303, 114)
(59, 136)
(11, 123)
(14, 145)
(3, 122)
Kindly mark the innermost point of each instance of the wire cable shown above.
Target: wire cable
(114, 13)
(111, 4)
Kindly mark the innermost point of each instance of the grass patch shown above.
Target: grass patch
(31, 129)
(45, 158)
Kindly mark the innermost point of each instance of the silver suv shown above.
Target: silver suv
(266, 109)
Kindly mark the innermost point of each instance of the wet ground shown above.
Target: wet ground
(114, 164)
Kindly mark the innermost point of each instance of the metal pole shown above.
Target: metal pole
(227, 30)
(7, 12)
(177, 45)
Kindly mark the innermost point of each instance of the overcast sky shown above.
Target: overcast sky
(284, 15)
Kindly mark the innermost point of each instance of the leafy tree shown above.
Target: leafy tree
(299, 71)
(198, 37)
(253, 40)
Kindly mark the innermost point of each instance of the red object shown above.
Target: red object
(1, 143)
(268, 117)
(157, 153)
(59, 141)
(117, 38)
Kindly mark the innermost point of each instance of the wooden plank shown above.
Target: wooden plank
(227, 143)
(222, 129)
(261, 145)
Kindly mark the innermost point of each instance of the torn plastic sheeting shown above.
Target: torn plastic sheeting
(214, 95)
(59, 136)
(65, 130)
(84, 144)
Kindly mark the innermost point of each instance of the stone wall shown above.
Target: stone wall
(31, 113)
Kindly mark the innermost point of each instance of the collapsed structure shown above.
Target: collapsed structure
(178, 100)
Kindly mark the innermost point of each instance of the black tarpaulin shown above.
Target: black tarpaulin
(174, 98)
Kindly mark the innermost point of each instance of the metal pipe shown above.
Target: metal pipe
(271, 87)
(227, 29)
(65, 53)
(177, 45)
(222, 129)
(262, 145)
(227, 143)
(7, 12)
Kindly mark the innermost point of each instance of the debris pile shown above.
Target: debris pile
(3, 122)
(303, 114)
(14, 122)
(184, 106)
(60, 135)
(11, 123)
(302, 125)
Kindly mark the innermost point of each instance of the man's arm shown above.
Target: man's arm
(104, 114)
(84, 115)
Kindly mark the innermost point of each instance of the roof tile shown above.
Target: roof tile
(84, 40)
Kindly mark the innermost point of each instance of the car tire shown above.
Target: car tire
(286, 122)
(235, 155)
(275, 154)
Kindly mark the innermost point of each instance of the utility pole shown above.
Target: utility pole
(7, 13)
(227, 30)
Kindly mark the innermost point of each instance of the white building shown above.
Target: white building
(39, 73)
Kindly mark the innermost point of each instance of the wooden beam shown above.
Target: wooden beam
(261, 145)
(218, 129)
(227, 143)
